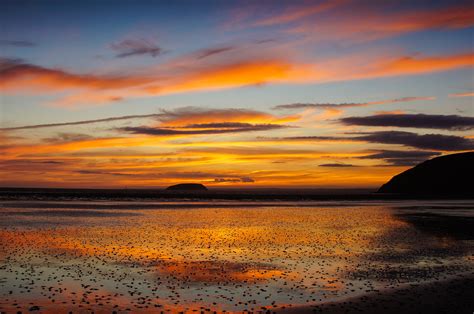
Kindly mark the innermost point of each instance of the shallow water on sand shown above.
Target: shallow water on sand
(233, 256)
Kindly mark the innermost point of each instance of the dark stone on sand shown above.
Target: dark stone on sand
(187, 187)
(445, 175)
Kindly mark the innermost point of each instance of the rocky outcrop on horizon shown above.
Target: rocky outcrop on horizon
(187, 187)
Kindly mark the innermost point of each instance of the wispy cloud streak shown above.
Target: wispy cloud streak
(465, 94)
(111, 119)
(135, 47)
(349, 105)
(17, 43)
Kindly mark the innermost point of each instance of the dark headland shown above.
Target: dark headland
(187, 187)
(450, 175)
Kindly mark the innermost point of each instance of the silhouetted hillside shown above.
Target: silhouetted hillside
(187, 187)
(445, 175)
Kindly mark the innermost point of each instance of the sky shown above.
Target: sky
(323, 94)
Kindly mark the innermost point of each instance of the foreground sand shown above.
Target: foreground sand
(148, 257)
(453, 296)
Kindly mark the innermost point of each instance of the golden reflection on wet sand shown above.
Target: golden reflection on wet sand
(233, 258)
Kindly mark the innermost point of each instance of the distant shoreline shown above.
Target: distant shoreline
(275, 194)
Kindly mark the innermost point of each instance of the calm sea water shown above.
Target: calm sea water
(233, 256)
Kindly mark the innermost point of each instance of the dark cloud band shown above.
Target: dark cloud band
(424, 121)
(402, 158)
(337, 165)
(427, 141)
(189, 130)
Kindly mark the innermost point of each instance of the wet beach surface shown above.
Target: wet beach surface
(451, 296)
(235, 256)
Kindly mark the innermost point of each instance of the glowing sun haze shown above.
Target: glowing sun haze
(253, 94)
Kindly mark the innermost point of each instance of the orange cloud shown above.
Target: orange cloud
(86, 99)
(297, 13)
(390, 112)
(194, 115)
(76, 145)
(253, 72)
(105, 162)
(257, 72)
(467, 94)
(418, 65)
(365, 23)
(230, 74)
(60, 164)
(458, 16)
(17, 75)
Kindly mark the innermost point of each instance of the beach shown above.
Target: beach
(449, 296)
(235, 256)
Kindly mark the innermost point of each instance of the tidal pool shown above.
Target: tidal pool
(222, 256)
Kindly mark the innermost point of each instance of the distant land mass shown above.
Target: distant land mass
(441, 176)
(187, 187)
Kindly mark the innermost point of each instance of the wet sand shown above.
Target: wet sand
(453, 296)
(144, 257)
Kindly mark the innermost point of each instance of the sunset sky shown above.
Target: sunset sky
(324, 94)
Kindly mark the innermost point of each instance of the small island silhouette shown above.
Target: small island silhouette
(187, 187)
(445, 175)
